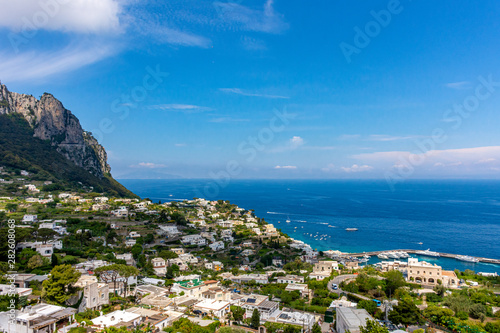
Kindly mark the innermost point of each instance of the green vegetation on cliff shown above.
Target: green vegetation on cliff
(19, 149)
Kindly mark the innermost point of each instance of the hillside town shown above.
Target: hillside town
(87, 262)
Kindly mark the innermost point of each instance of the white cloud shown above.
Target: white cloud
(383, 137)
(148, 165)
(330, 167)
(296, 142)
(238, 91)
(41, 65)
(357, 168)
(228, 120)
(187, 108)
(349, 136)
(470, 160)
(169, 35)
(461, 85)
(293, 167)
(82, 16)
(239, 17)
(292, 144)
(253, 44)
(486, 161)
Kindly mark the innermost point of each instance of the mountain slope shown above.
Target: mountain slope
(43, 137)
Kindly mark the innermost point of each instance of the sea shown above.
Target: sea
(450, 216)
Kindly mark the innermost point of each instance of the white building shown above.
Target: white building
(159, 266)
(290, 279)
(95, 294)
(350, 319)
(217, 246)
(36, 319)
(28, 218)
(218, 308)
(194, 240)
(324, 269)
(258, 278)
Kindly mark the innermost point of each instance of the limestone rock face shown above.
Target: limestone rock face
(51, 121)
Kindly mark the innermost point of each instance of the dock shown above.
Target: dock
(411, 251)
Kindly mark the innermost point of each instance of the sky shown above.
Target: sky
(269, 89)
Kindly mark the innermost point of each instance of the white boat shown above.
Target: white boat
(467, 258)
(382, 256)
(403, 254)
(366, 256)
(392, 255)
(428, 253)
(287, 219)
(351, 229)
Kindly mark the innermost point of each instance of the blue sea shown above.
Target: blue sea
(459, 216)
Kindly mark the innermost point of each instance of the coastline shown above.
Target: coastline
(329, 208)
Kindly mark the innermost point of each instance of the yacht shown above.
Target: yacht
(403, 254)
(383, 256)
(467, 258)
(392, 255)
(351, 229)
(287, 219)
(428, 253)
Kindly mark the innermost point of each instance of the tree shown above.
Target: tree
(58, 288)
(316, 328)
(477, 311)
(11, 207)
(35, 262)
(54, 260)
(136, 251)
(440, 289)
(45, 234)
(492, 327)
(369, 306)
(393, 280)
(373, 327)
(172, 271)
(238, 313)
(110, 272)
(126, 272)
(255, 320)
(406, 312)
(166, 254)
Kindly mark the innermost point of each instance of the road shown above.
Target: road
(339, 279)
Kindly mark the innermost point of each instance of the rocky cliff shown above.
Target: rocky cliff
(52, 122)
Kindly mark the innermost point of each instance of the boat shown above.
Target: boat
(366, 256)
(467, 258)
(428, 253)
(287, 219)
(392, 255)
(420, 243)
(403, 254)
(382, 256)
(351, 229)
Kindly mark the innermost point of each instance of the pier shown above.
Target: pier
(441, 254)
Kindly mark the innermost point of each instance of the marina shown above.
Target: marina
(441, 254)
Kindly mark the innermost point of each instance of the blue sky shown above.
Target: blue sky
(269, 89)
